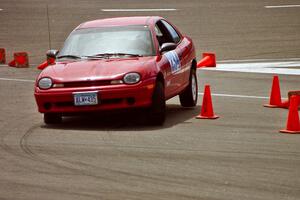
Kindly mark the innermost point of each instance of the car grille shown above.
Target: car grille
(86, 83)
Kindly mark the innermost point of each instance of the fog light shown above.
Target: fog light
(47, 106)
(130, 101)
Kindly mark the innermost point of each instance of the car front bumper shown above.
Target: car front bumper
(111, 97)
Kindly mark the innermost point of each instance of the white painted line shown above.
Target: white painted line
(17, 80)
(139, 10)
(283, 6)
(236, 96)
(259, 60)
(1, 9)
(288, 67)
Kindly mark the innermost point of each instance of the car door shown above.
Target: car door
(167, 34)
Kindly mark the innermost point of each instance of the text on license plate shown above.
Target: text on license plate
(85, 98)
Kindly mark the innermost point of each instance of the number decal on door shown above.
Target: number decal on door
(173, 60)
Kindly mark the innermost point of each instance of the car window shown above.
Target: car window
(172, 31)
(162, 34)
(92, 41)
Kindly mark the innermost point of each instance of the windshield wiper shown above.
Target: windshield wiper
(107, 55)
(69, 56)
(97, 56)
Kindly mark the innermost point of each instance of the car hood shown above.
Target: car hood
(100, 69)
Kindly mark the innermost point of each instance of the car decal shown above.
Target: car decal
(173, 60)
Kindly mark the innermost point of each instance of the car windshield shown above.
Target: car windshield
(117, 41)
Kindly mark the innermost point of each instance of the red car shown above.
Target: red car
(118, 63)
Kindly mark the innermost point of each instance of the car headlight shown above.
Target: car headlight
(45, 83)
(132, 78)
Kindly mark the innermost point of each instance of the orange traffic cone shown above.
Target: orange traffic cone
(275, 96)
(286, 103)
(2, 56)
(12, 63)
(43, 65)
(208, 60)
(293, 124)
(20, 60)
(49, 61)
(207, 111)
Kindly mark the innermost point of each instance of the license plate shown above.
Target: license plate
(85, 98)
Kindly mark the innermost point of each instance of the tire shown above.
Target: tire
(157, 113)
(188, 98)
(52, 118)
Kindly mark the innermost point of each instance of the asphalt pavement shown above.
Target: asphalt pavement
(241, 155)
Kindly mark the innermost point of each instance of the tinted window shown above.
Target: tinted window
(172, 31)
(92, 41)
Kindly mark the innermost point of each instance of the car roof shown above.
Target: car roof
(120, 21)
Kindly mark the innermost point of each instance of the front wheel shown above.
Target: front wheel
(188, 98)
(157, 113)
(52, 118)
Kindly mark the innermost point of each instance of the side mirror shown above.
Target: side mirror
(51, 54)
(167, 47)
